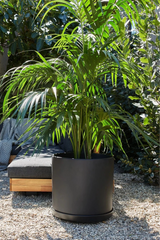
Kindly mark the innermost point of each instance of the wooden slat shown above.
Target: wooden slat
(30, 185)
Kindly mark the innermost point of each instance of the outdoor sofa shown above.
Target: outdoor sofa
(28, 172)
(32, 173)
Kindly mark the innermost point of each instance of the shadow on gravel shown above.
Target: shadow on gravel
(31, 200)
(4, 184)
(47, 237)
(119, 226)
(128, 191)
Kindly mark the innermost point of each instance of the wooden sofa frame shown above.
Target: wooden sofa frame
(29, 185)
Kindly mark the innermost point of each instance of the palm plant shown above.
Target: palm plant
(67, 92)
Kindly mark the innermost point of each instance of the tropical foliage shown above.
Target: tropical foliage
(68, 92)
(144, 96)
(21, 31)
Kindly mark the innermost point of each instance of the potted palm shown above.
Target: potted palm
(67, 92)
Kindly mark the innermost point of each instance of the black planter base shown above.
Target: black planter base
(82, 188)
(83, 218)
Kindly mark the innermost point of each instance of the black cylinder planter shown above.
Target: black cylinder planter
(82, 188)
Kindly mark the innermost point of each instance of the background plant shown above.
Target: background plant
(145, 49)
(24, 34)
(21, 31)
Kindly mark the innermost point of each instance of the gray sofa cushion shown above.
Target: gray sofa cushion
(37, 166)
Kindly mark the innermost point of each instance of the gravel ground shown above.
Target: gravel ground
(136, 214)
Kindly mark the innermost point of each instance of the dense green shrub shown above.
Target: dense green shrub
(119, 95)
(24, 33)
(146, 98)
